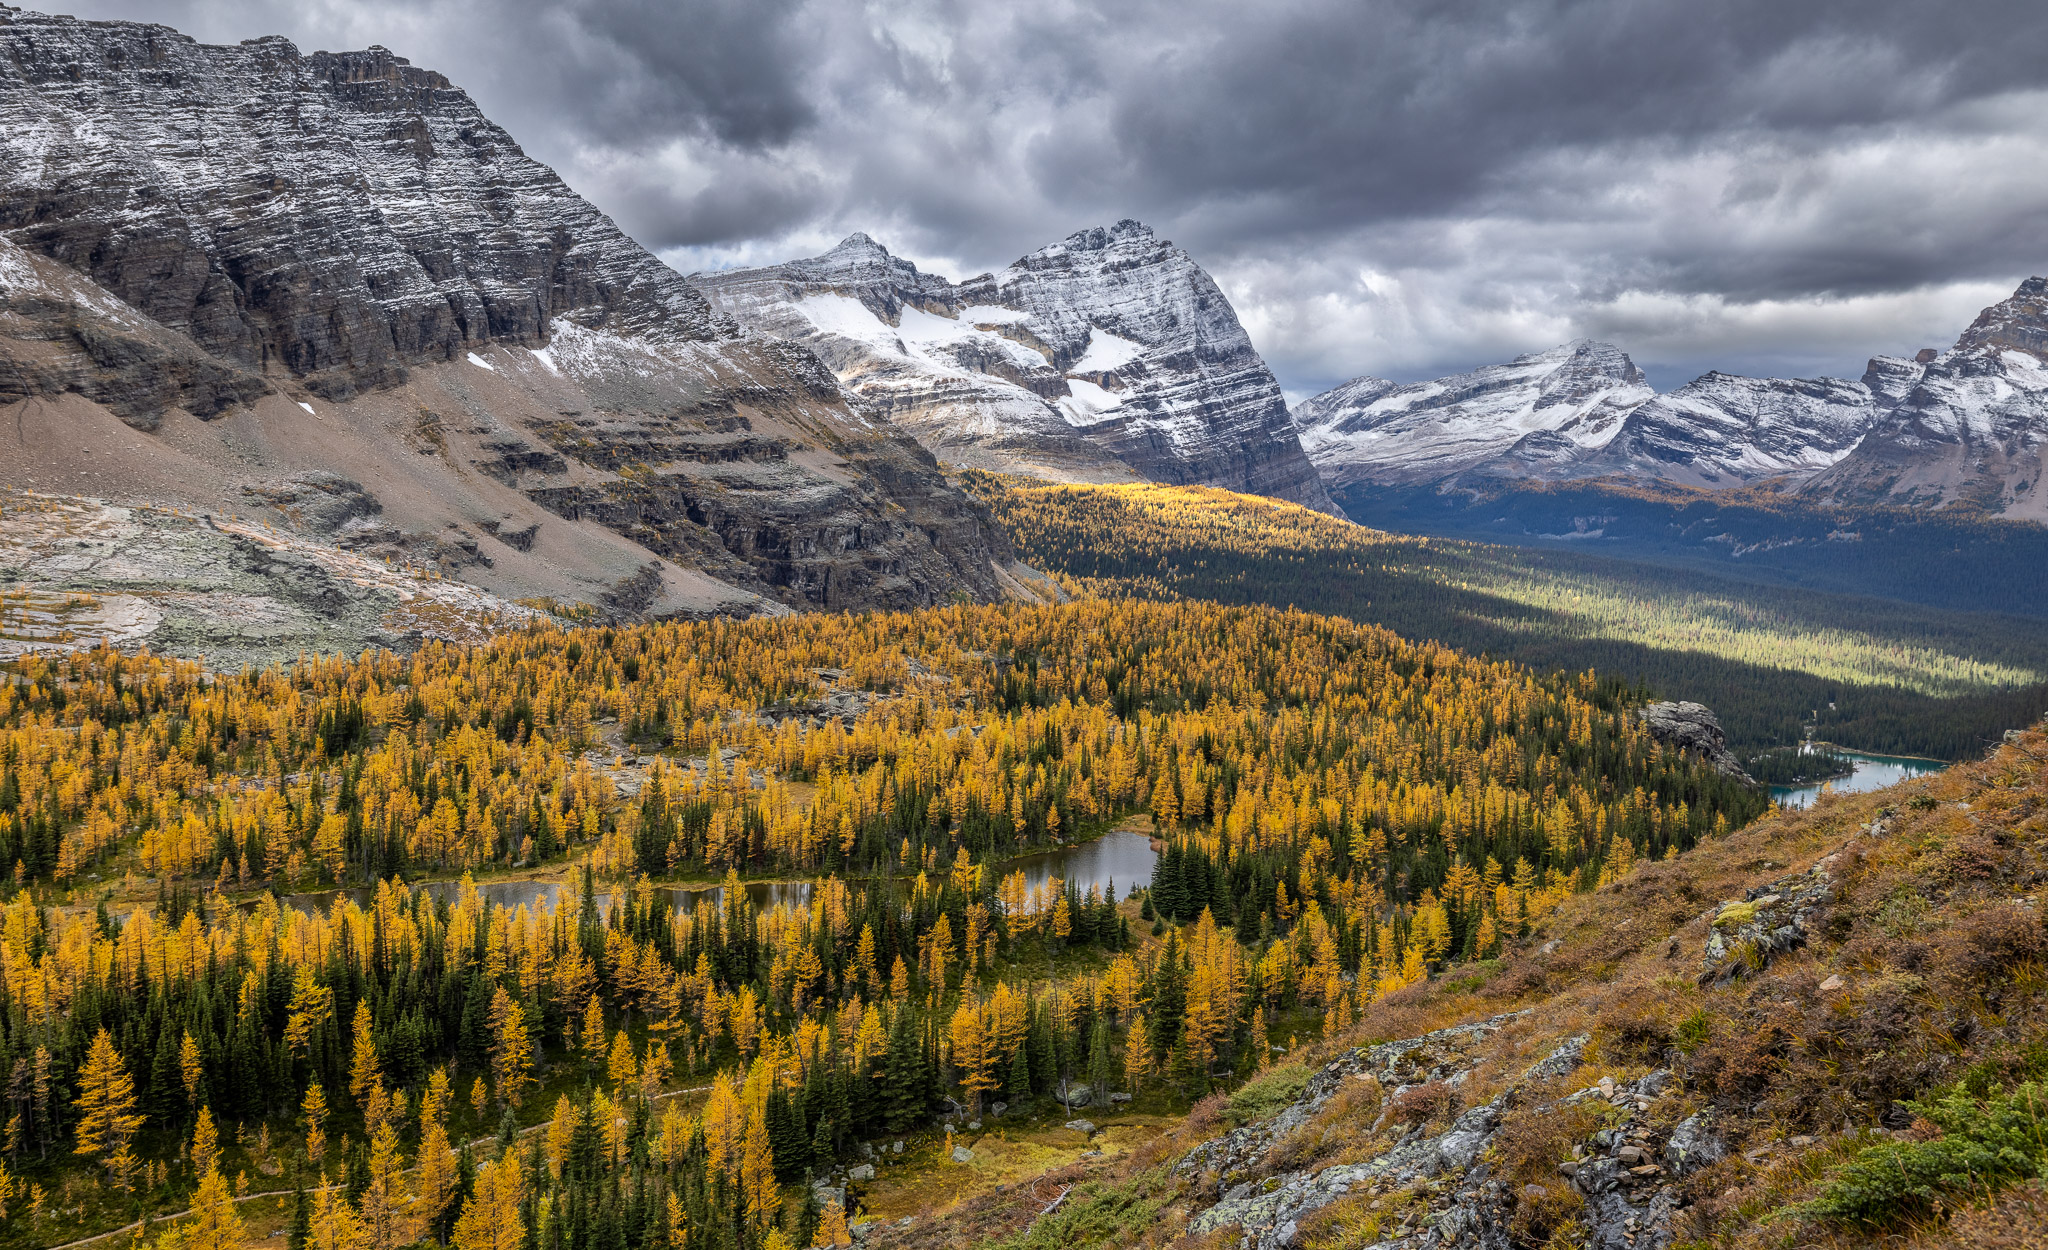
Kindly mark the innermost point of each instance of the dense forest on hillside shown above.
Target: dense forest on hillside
(1342, 811)
(1869, 674)
(1952, 560)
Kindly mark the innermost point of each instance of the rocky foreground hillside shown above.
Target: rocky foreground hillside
(235, 279)
(1824, 1029)
(1106, 356)
(1965, 426)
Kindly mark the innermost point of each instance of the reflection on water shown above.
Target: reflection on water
(764, 895)
(513, 895)
(507, 894)
(1872, 772)
(1122, 857)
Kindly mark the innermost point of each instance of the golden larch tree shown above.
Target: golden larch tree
(621, 1066)
(314, 1108)
(832, 1230)
(191, 1067)
(363, 1074)
(757, 1172)
(490, 1218)
(214, 1224)
(386, 1221)
(107, 1120)
(974, 1053)
(334, 1224)
(511, 1059)
(205, 1143)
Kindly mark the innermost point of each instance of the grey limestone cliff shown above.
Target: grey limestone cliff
(1109, 354)
(335, 262)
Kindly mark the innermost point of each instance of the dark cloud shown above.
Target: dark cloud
(1400, 188)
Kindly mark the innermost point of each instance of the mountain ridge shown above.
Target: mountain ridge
(1960, 427)
(225, 267)
(1106, 355)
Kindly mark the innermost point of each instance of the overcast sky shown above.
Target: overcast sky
(1403, 189)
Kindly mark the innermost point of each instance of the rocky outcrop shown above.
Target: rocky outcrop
(1744, 935)
(60, 334)
(1106, 355)
(82, 571)
(1622, 1171)
(1693, 727)
(341, 267)
(1269, 1210)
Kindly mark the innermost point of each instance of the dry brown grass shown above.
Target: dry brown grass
(1941, 967)
(1532, 1142)
(1424, 1104)
(2017, 1220)
(1350, 1223)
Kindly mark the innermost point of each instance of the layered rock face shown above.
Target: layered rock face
(344, 215)
(335, 262)
(1108, 355)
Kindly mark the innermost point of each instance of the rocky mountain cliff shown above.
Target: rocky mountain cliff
(1107, 355)
(1964, 426)
(225, 268)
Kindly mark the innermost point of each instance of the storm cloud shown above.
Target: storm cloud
(1394, 188)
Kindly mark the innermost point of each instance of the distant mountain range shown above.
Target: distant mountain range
(1961, 427)
(325, 292)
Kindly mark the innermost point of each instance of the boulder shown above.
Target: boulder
(962, 1154)
(1084, 1127)
(861, 1172)
(1694, 1144)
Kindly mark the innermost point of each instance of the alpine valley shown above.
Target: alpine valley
(507, 746)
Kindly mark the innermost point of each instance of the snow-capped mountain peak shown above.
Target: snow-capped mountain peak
(2017, 323)
(1963, 426)
(1106, 355)
(1371, 430)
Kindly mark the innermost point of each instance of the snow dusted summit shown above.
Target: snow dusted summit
(1105, 356)
(1961, 427)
